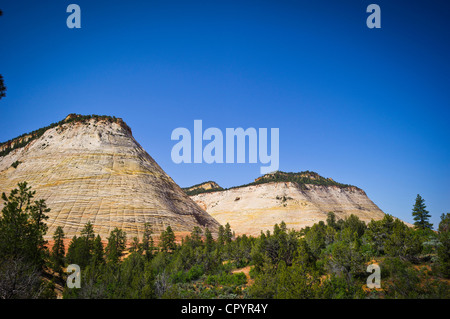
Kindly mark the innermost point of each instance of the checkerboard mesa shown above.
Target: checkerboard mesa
(90, 168)
(299, 199)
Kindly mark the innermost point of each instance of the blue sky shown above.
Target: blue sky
(363, 106)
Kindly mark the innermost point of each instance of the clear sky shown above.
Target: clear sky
(368, 107)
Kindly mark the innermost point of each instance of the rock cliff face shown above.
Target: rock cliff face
(203, 187)
(253, 208)
(94, 170)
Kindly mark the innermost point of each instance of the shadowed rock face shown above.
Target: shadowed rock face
(96, 171)
(201, 188)
(253, 208)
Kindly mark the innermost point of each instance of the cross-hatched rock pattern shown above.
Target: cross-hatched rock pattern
(252, 209)
(96, 171)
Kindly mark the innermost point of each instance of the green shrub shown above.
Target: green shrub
(15, 164)
(195, 272)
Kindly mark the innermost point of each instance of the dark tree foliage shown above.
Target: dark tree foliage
(284, 264)
(80, 249)
(377, 234)
(2, 87)
(420, 214)
(19, 279)
(167, 240)
(209, 241)
(58, 251)
(16, 164)
(443, 250)
(147, 245)
(22, 226)
(331, 220)
(116, 245)
(98, 252)
(23, 251)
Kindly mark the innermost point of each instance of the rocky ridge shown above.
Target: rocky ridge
(90, 168)
(298, 199)
(205, 187)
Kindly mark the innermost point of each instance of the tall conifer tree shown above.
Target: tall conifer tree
(420, 214)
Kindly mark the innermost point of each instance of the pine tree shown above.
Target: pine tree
(71, 251)
(39, 229)
(88, 232)
(444, 247)
(420, 214)
(135, 246)
(331, 220)
(167, 240)
(2, 87)
(86, 243)
(221, 236)
(58, 250)
(147, 245)
(22, 246)
(98, 251)
(209, 241)
(22, 226)
(196, 237)
(116, 245)
(80, 251)
(228, 233)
